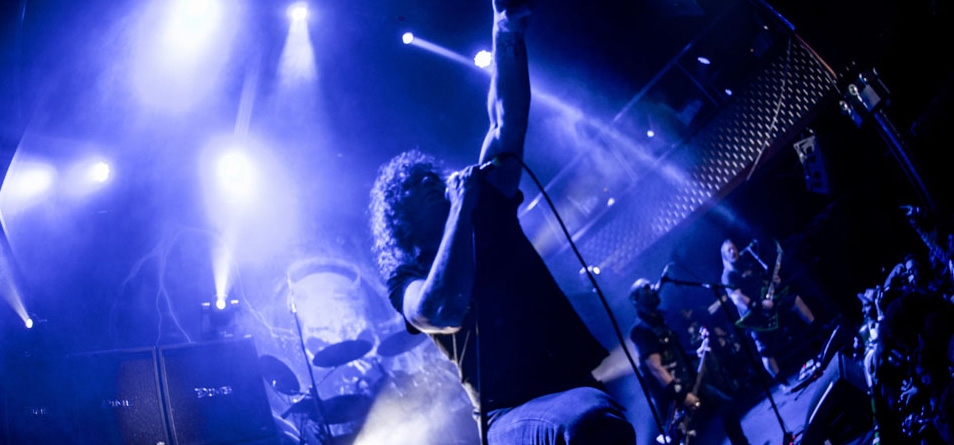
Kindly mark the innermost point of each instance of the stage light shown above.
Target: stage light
(236, 176)
(407, 38)
(197, 8)
(297, 66)
(298, 11)
(99, 172)
(220, 304)
(483, 59)
(650, 134)
(33, 181)
(703, 60)
(29, 323)
(728, 92)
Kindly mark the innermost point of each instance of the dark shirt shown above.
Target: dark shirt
(657, 338)
(747, 276)
(532, 342)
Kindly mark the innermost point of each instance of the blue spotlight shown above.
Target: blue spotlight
(29, 323)
(298, 11)
(703, 60)
(728, 92)
(33, 181)
(650, 133)
(193, 23)
(99, 172)
(407, 38)
(236, 176)
(483, 59)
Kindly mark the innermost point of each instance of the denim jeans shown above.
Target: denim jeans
(579, 416)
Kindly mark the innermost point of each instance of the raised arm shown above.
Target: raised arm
(508, 102)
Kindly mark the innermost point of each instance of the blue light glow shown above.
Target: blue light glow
(703, 60)
(728, 92)
(483, 59)
(99, 172)
(28, 323)
(407, 38)
(650, 133)
(236, 176)
(298, 11)
(33, 181)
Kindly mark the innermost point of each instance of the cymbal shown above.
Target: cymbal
(341, 353)
(281, 378)
(339, 409)
(399, 343)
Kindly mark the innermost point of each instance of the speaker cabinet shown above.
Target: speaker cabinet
(840, 407)
(116, 398)
(215, 393)
(37, 402)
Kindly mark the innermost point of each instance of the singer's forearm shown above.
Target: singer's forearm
(440, 303)
(508, 101)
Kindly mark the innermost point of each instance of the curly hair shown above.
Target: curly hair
(392, 236)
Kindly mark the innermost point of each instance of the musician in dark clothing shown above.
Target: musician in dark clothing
(747, 278)
(672, 375)
(460, 269)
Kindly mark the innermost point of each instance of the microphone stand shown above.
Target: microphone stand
(719, 289)
(325, 430)
(756, 257)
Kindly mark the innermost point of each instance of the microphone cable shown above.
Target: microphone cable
(599, 292)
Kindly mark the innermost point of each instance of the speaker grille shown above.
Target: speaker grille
(215, 393)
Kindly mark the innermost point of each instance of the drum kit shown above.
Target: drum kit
(323, 414)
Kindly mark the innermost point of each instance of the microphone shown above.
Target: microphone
(663, 277)
(754, 243)
(490, 165)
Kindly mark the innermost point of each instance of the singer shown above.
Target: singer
(460, 269)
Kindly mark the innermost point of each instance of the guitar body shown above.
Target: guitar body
(766, 320)
(763, 320)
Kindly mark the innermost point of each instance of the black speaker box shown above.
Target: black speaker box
(215, 393)
(37, 403)
(840, 407)
(116, 398)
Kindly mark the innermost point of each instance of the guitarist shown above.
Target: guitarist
(672, 375)
(748, 279)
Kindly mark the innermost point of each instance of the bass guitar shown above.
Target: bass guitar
(680, 424)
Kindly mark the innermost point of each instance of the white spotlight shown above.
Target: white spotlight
(483, 59)
(407, 38)
(650, 133)
(99, 172)
(197, 8)
(29, 323)
(236, 176)
(298, 11)
(33, 181)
